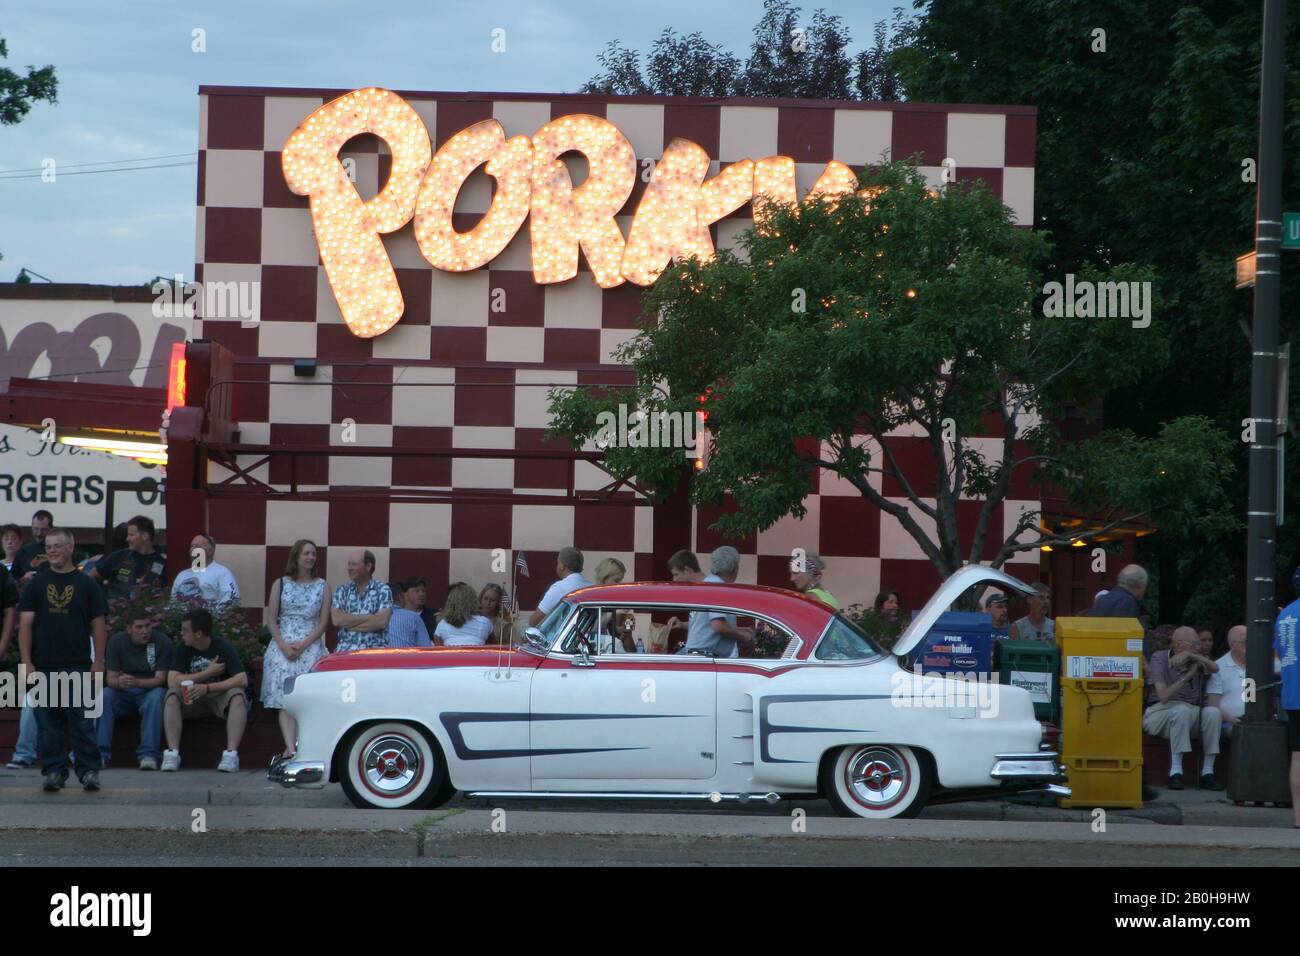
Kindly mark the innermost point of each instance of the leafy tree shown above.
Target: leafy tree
(18, 93)
(1141, 154)
(785, 60)
(897, 308)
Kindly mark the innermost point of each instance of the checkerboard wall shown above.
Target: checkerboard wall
(455, 373)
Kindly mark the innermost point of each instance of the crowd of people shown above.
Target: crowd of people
(58, 613)
(1190, 693)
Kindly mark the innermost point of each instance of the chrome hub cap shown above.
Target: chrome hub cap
(391, 765)
(877, 777)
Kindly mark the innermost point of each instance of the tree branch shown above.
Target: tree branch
(902, 480)
(999, 492)
(1047, 379)
(909, 524)
(1011, 546)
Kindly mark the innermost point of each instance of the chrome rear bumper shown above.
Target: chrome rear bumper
(306, 774)
(1039, 767)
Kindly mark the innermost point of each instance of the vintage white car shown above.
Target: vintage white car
(567, 714)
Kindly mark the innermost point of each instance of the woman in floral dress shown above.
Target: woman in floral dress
(297, 614)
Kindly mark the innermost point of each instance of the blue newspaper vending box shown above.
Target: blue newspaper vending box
(961, 642)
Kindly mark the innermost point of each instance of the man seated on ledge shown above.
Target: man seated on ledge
(137, 661)
(218, 686)
(1179, 677)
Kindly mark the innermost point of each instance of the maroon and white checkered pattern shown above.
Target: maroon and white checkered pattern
(455, 373)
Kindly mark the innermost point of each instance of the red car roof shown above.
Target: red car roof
(804, 615)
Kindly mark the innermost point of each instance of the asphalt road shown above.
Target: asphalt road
(616, 851)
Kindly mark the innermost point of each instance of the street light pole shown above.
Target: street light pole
(1261, 534)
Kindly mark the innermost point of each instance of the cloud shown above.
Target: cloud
(129, 82)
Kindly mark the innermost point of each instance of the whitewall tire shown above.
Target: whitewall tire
(393, 765)
(877, 781)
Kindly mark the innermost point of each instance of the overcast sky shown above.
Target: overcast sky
(128, 89)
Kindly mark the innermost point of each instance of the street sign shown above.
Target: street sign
(1291, 230)
(1246, 270)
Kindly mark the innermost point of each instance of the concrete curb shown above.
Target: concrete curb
(270, 845)
(408, 831)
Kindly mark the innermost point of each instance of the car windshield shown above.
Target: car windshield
(554, 622)
(844, 641)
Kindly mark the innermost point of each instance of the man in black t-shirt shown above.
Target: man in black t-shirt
(206, 677)
(137, 662)
(60, 609)
(32, 555)
(138, 565)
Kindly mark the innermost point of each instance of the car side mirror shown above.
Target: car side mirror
(535, 637)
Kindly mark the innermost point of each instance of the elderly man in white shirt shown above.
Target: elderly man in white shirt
(1231, 679)
(568, 568)
(213, 583)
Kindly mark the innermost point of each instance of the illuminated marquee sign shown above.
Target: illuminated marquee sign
(532, 182)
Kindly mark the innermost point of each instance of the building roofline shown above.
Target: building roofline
(578, 98)
(76, 290)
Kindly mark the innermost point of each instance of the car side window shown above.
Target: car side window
(616, 632)
(844, 642)
(583, 635)
(768, 642)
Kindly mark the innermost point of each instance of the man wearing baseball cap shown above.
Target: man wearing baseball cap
(996, 607)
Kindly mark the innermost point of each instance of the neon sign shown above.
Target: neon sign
(532, 182)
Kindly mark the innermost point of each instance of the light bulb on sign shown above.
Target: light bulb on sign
(565, 218)
(360, 273)
(508, 162)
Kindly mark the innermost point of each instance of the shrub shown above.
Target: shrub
(228, 620)
(883, 632)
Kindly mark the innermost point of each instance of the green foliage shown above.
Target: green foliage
(19, 91)
(769, 644)
(1174, 478)
(885, 633)
(228, 620)
(787, 59)
(1139, 158)
(850, 318)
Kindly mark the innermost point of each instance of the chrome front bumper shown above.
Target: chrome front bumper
(1030, 768)
(307, 774)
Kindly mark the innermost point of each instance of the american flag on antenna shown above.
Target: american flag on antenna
(521, 567)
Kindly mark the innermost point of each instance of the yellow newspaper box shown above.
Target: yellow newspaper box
(1102, 678)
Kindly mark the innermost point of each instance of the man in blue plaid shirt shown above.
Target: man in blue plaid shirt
(405, 627)
(362, 607)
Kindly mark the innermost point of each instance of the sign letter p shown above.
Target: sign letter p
(348, 229)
